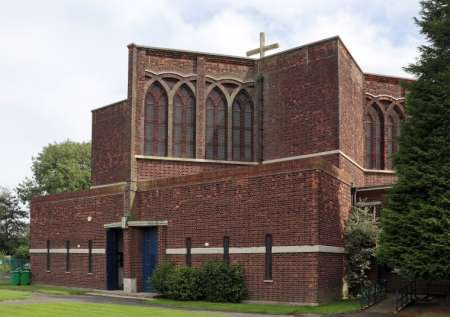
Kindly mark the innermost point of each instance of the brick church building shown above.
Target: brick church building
(211, 157)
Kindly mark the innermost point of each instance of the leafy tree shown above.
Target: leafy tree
(415, 236)
(60, 167)
(361, 236)
(22, 252)
(12, 222)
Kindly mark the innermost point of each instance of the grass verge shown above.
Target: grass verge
(51, 290)
(276, 309)
(93, 310)
(13, 295)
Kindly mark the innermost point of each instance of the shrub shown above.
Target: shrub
(361, 235)
(184, 284)
(160, 277)
(222, 282)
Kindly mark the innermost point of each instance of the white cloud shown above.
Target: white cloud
(61, 59)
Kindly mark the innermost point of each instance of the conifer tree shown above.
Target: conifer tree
(415, 237)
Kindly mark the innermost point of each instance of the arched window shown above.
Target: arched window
(155, 139)
(393, 133)
(184, 123)
(216, 126)
(374, 138)
(242, 128)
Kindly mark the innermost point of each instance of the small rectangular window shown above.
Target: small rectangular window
(67, 256)
(48, 255)
(188, 252)
(268, 264)
(90, 260)
(226, 249)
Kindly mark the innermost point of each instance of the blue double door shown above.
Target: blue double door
(114, 257)
(149, 256)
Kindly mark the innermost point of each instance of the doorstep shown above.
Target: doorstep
(122, 294)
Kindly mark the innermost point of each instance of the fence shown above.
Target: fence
(372, 295)
(406, 295)
(7, 264)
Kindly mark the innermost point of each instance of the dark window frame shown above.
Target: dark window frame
(67, 256)
(226, 249)
(90, 258)
(48, 264)
(188, 243)
(268, 258)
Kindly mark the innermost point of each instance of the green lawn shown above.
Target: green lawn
(51, 290)
(332, 308)
(12, 295)
(92, 310)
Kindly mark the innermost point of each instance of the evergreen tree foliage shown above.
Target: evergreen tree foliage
(415, 237)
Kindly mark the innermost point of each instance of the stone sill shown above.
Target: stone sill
(192, 160)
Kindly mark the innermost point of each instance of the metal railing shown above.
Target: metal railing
(406, 295)
(372, 295)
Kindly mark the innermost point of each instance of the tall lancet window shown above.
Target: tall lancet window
(156, 121)
(216, 126)
(374, 138)
(242, 128)
(184, 123)
(393, 133)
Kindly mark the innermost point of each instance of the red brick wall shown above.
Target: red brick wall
(63, 217)
(380, 178)
(330, 273)
(384, 85)
(356, 172)
(351, 108)
(301, 101)
(286, 203)
(133, 255)
(334, 203)
(157, 169)
(111, 144)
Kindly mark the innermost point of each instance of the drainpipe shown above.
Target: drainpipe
(353, 195)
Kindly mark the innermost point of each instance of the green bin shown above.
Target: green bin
(15, 277)
(25, 277)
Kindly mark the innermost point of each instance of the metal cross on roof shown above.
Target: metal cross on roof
(262, 46)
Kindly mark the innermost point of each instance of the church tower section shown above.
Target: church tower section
(191, 112)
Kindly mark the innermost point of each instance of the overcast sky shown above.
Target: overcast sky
(60, 59)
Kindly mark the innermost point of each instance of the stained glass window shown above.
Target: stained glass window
(242, 128)
(184, 123)
(374, 139)
(156, 121)
(216, 126)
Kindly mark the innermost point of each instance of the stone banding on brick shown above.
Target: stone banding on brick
(64, 251)
(261, 250)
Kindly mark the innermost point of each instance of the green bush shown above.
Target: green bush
(160, 277)
(214, 281)
(184, 284)
(222, 282)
